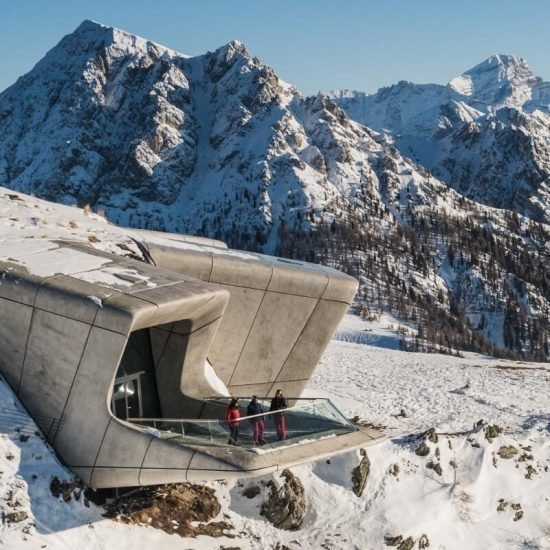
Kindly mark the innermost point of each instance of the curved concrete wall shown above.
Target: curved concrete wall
(280, 317)
(262, 323)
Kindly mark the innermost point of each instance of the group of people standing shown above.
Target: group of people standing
(255, 410)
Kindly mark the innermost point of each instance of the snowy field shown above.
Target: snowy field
(479, 500)
(454, 510)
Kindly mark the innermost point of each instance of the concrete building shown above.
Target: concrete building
(127, 366)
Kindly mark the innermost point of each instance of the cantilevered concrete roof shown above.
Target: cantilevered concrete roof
(69, 309)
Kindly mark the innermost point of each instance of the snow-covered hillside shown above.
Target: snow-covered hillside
(487, 133)
(469, 496)
(477, 500)
(218, 145)
(212, 144)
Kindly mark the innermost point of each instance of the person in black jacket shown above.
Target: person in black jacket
(278, 403)
(258, 422)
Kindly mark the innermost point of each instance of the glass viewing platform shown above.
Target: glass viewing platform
(307, 420)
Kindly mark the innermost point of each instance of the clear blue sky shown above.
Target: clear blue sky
(313, 44)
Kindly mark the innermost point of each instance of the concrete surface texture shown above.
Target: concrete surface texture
(68, 333)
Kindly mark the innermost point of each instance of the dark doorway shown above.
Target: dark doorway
(135, 389)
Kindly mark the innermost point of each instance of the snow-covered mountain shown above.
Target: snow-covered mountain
(487, 133)
(218, 145)
(214, 143)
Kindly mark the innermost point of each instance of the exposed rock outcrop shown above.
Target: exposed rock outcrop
(507, 451)
(360, 474)
(66, 489)
(423, 542)
(184, 509)
(286, 505)
(435, 466)
(422, 449)
(400, 542)
(492, 432)
(431, 435)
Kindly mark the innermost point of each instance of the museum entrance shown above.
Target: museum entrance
(135, 387)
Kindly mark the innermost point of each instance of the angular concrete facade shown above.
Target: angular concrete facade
(280, 316)
(67, 333)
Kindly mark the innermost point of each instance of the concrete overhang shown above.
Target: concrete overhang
(262, 323)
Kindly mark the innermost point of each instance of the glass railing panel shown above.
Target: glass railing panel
(310, 420)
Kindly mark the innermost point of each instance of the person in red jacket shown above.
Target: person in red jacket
(232, 417)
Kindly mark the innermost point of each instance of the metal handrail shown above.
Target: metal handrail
(306, 422)
(207, 420)
(313, 419)
(310, 401)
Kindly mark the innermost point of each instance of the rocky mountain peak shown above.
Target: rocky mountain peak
(92, 33)
(218, 145)
(499, 60)
(485, 134)
(499, 80)
(221, 60)
(91, 36)
(229, 50)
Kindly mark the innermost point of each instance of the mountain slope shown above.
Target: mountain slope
(218, 145)
(487, 133)
(112, 120)
(461, 502)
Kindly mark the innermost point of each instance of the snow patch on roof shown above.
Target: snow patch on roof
(115, 277)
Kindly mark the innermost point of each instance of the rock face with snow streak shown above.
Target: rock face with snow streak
(487, 133)
(217, 145)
